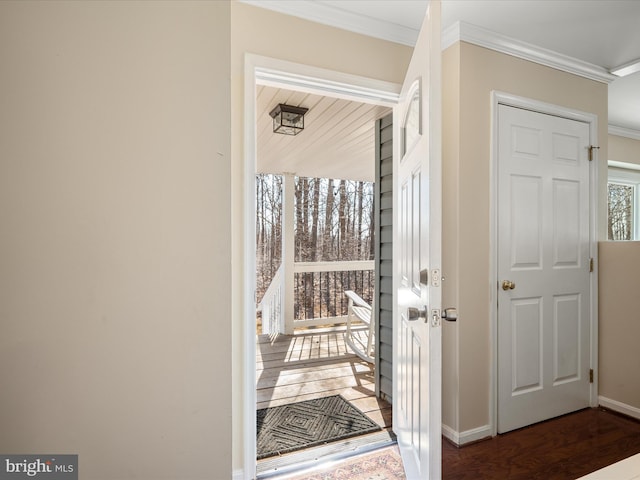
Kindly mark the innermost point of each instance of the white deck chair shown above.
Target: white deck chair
(362, 311)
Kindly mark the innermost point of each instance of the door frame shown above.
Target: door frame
(261, 70)
(502, 98)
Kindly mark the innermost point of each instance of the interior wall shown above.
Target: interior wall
(619, 330)
(450, 235)
(271, 34)
(480, 72)
(115, 262)
(624, 149)
(619, 277)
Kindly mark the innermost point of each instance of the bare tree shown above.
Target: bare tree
(327, 245)
(620, 211)
(342, 217)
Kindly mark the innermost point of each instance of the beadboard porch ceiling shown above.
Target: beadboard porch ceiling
(337, 141)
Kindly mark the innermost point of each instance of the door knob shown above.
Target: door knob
(450, 314)
(416, 313)
(508, 285)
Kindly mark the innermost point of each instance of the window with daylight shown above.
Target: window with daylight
(623, 204)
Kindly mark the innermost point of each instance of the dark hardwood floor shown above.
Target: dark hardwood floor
(564, 448)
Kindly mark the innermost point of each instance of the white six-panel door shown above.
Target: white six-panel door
(417, 245)
(543, 267)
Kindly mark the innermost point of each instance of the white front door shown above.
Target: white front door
(417, 245)
(543, 267)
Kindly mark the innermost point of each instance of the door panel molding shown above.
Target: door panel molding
(564, 154)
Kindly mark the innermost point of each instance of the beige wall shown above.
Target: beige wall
(450, 232)
(619, 304)
(262, 32)
(467, 269)
(115, 338)
(623, 149)
(619, 329)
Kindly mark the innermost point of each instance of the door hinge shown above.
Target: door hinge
(591, 148)
(591, 265)
(591, 375)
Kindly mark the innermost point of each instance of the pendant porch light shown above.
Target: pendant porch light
(287, 119)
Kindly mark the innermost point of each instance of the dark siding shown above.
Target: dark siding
(384, 268)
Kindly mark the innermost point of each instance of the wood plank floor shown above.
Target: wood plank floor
(564, 448)
(292, 368)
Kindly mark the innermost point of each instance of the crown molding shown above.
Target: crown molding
(339, 18)
(459, 31)
(624, 132)
(466, 32)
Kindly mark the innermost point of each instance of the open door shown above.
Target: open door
(417, 253)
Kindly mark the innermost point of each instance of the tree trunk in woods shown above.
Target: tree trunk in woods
(372, 230)
(312, 243)
(299, 230)
(327, 245)
(305, 218)
(315, 216)
(358, 214)
(342, 217)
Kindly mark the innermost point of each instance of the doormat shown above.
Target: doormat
(383, 464)
(310, 423)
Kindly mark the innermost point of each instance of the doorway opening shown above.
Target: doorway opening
(307, 356)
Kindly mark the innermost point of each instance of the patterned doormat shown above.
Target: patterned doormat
(310, 423)
(383, 464)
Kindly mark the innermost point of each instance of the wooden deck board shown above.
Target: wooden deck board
(313, 366)
(293, 368)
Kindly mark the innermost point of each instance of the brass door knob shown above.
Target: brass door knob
(508, 285)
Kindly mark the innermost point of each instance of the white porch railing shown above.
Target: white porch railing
(339, 276)
(271, 305)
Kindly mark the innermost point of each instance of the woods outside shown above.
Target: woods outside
(334, 221)
(621, 201)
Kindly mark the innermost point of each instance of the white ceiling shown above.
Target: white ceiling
(603, 33)
(337, 141)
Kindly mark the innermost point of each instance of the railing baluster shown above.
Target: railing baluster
(320, 292)
(319, 289)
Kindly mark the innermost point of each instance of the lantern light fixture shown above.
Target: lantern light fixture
(287, 119)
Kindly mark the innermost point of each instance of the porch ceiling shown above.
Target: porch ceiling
(337, 141)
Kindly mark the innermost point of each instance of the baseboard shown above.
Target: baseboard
(450, 434)
(619, 407)
(468, 436)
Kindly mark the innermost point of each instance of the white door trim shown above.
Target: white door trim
(284, 74)
(501, 98)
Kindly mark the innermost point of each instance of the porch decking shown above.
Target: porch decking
(292, 368)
